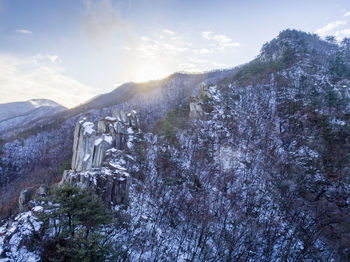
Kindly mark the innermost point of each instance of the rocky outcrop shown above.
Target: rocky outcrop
(98, 156)
(90, 146)
(111, 185)
(25, 197)
(18, 236)
(197, 105)
(196, 110)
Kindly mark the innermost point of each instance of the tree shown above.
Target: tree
(74, 220)
(331, 39)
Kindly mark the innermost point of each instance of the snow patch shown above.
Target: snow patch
(86, 157)
(88, 128)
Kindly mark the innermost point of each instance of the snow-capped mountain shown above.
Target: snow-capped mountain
(15, 117)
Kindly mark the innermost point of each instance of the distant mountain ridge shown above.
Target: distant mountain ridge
(18, 115)
(13, 109)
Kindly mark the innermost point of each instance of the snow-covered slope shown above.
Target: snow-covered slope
(15, 117)
(251, 167)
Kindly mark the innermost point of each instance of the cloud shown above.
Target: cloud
(104, 25)
(145, 38)
(347, 14)
(24, 31)
(164, 45)
(340, 34)
(220, 65)
(169, 32)
(207, 34)
(188, 67)
(323, 31)
(222, 41)
(198, 60)
(55, 59)
(39, 76)
(204, 51)
(40, 58)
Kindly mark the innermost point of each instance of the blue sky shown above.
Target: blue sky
(72, 50)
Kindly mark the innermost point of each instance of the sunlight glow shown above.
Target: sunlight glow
(143, 72)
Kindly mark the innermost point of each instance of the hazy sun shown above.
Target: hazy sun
(143, 72)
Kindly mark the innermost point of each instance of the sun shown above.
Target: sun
(149, 70)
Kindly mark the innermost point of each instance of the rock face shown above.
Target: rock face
(98, 156)
(197, 105)
(17, 236)
(111, 185)
(89, 146)
(195, 110)
(25, 197)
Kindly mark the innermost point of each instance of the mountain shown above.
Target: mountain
(16, 116)
(40, 152)
(249, 164)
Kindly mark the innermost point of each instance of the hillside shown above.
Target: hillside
(16, 116)
(40, 152)
(252, 165)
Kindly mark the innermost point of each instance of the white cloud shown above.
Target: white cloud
(347, 14)
(340, 34)
(24, 31)
(188, 67)
(207, 34)
(204, 51)
(39, 77)
(329, 28)
(54, 59)
(220, 65)
(221, 41)
(224, 41)
(198, 60)
(145, 38)
(162, 45)
(169, 32)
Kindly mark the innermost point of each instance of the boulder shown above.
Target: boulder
(42, 191)
(24, 199)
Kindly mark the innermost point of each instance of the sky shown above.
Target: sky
(72, 50)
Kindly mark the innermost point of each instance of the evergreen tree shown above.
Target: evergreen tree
(74, 219)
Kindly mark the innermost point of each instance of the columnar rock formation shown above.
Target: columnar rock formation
(98, 156)
(196, 106)
(89, 146)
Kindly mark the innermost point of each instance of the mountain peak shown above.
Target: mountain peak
(298, 44)
(43, 102)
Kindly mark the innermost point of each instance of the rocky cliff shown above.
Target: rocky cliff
(100, 156)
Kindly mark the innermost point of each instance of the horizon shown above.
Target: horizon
(72, 51)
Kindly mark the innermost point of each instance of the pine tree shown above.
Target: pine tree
(74, 219)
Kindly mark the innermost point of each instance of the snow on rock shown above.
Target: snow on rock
(16, 234)
(88, 128)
